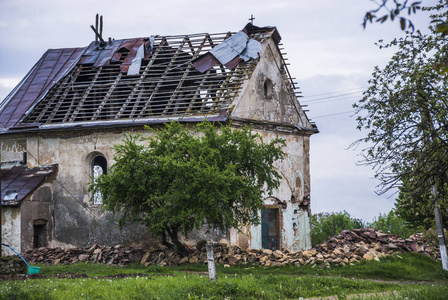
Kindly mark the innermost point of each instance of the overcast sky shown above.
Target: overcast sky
(331, 57)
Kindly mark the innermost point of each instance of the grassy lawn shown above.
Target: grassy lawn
(239, 282)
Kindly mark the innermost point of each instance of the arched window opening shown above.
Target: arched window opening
(99, 167)
(268, 87)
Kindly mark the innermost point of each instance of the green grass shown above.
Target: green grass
(405, 266)
(239, 282)
(431, 292)
(189, 286)
(102, 269)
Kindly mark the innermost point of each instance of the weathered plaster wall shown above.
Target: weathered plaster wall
(10, 219)
(291, 197)
(73, 220)
(12, 149)
(77, 221)
(267, 100)
(38, 210)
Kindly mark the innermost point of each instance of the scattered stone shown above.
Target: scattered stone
(347, 247)
(193, 260)
(83, 257)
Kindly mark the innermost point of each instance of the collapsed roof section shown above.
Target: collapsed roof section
(185, 77)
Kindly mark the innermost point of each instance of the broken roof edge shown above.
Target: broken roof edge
(253, 30)
(221, 116)
(278, 126)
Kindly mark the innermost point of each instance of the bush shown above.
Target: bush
(324, 225)
(392, 223)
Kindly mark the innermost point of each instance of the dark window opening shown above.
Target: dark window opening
(267, 88)
(99, 167)
(270, 228)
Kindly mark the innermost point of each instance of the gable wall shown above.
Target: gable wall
(12, 149)
(278, 105)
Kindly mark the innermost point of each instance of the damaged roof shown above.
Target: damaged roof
(20, 182)
(135, 81)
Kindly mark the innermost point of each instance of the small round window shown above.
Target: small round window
(267, 88)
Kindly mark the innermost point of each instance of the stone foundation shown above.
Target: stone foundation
(9, 265)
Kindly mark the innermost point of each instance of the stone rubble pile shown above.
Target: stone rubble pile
(348, 247)
(118, 255)
(351, 246)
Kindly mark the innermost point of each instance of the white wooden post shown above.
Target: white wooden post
(439, 225)
(211, 262)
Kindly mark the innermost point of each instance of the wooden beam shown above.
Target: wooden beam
(138, 84)
(106, 98)
(55, 96)
(85, 95)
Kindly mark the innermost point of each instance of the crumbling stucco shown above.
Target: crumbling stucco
(12, 149)
(11, 229)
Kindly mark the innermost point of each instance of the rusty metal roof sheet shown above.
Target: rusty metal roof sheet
(20, 182)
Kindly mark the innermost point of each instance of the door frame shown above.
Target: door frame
(279, 223)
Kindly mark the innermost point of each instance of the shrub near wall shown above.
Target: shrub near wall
(9, 265)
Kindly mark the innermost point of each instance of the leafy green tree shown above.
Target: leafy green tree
(395, 9)
(183, 178)
(391, 10)
(392, 223)
(404, 111)
(324, 225)
(417, 208)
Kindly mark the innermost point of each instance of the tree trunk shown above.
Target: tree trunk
(178, 246)
(165, 241)
(439, 225)
(211, 262)
(433, 138)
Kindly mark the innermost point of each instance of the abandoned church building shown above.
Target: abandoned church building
(59, 123)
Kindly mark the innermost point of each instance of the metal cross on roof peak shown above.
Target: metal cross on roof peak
(252, 19)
